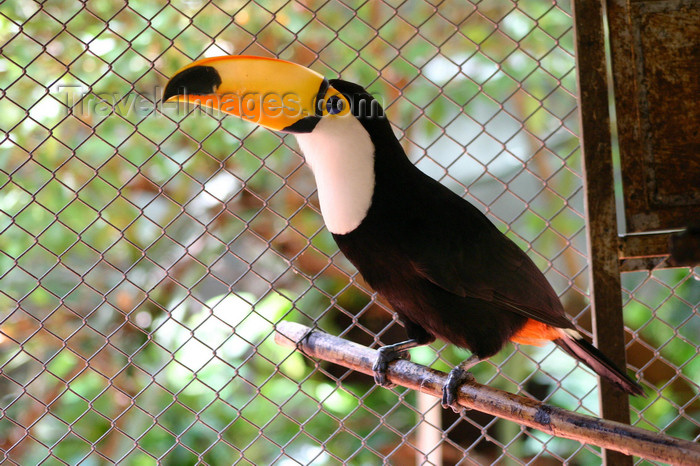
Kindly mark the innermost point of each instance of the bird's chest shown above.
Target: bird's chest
(379, 249)
(341, 156)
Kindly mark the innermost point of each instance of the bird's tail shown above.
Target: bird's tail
(574, 344)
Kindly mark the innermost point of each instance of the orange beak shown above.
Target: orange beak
(276, 94)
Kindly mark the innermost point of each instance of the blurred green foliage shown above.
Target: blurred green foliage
(147, 251)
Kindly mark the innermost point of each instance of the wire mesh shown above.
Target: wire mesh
(147, 251)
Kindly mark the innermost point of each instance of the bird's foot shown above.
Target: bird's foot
(455, 378)
(386, 354)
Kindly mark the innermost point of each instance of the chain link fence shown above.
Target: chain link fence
(147, 251)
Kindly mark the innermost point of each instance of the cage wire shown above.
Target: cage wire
(148, 250)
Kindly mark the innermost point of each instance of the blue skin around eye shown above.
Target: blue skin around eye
(334, 105)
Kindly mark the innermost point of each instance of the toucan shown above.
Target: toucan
(444, 268)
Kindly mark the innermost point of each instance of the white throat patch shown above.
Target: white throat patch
(341, 156)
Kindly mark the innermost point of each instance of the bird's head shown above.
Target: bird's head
(340, 127)
(276, 94)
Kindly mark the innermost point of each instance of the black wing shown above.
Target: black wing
(467, 255)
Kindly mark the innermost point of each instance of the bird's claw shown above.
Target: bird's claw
(455, 378)
(386, 355)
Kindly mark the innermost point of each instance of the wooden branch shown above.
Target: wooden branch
(532, 413)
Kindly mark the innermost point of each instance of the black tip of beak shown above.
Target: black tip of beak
(197, 80)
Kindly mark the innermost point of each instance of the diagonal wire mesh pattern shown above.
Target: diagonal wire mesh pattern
(147, 251)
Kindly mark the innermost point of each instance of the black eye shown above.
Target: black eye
(334, 105)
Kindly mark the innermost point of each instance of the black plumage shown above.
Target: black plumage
(445, 269)
(437, 259)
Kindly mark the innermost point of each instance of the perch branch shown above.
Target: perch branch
(549, 419)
